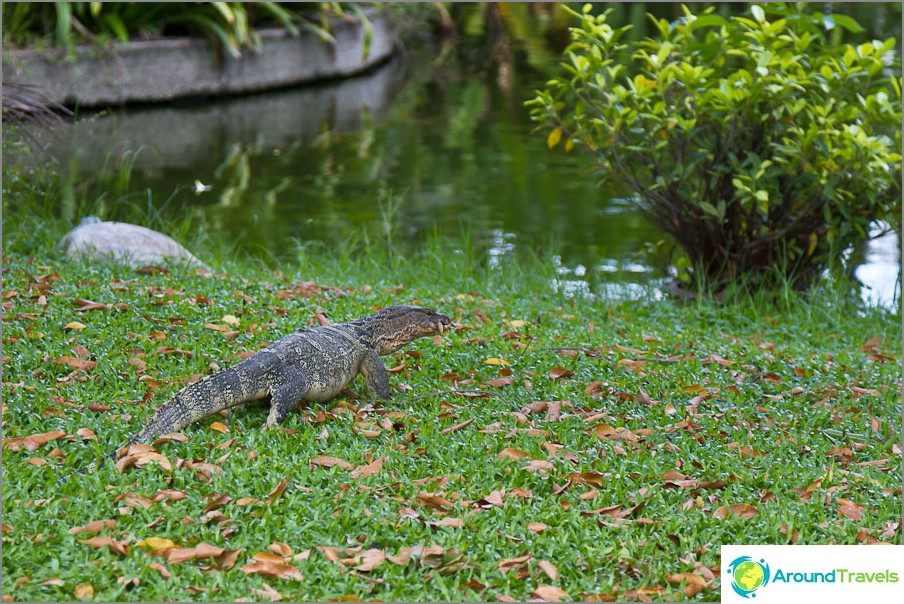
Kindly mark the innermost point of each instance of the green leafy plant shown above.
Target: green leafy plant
(760, 146)
(229, 25)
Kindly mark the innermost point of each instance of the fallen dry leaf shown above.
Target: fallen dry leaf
(549, 568)
(496, 361)
(268, 593)
(514, 454)
(560, 372)
(155, 544)
(368, 469)
(271, 565)
(164, 572)
(511, 563)
(219, 427)
(31, 443)
(141, 456)
(366, 560)
(278, 490)
(548, 593)
(114, 545)
(448, 521)
(742, 510)
(537, 527)
(694, 584)
(94, 526)
(280, 549)
(495, 498)
(329, 462)
(83, 591)
(75, 363)
(849, 509)
(435, 501)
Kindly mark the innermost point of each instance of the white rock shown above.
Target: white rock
(134, 245)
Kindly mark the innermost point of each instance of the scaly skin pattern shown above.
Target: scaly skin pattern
(311, 364)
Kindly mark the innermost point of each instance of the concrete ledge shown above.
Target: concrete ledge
(163, 70)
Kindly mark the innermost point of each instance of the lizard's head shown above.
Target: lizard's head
(396, 326)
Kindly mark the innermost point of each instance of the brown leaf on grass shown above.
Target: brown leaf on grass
(268, 593)
(227, 559)
(604, 430)
(87, 305)
(271, 565)
(329, 462)
(95, 526)
(183, 554)
(742, 510)
(448, 521)
(541, 466)
(83, 591)
(499, 382)
(521, 493)
(458, 427)
(512, 563)
(168, 495)
(549, 568)
(219, 427)
(434, 501)
(75, 363)
(86, 434)
(164, 572)
(693, 584)
(849, 509)
(367, 560)
(280, 549)
(560, 372)
(216, 502)
(553, 409)
(55, 581)
(31, 443)
(495, 498)
(637, 366)
(513, 454)
(548, 593)
(118, 547)
(594, 479)
(330, 553)
(537, 527)
(141, 456)
(368, 469)
(794, 533)
(278, 490)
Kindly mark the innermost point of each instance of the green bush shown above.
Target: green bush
(761, 147)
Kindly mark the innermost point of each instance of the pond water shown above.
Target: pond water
(421, 142)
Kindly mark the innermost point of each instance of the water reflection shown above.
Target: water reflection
(880, 272)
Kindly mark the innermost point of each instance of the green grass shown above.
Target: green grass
(761, 394)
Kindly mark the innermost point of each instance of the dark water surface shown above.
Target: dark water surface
(421, 143)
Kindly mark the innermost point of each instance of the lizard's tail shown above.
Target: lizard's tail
(172, 416)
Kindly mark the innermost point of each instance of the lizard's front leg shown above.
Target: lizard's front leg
(375, 374)
(289, 388)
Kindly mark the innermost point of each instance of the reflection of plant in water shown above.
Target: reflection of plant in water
(236, 171)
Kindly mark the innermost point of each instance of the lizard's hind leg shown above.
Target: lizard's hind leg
(288, 393)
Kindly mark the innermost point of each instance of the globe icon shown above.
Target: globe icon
(748, 575)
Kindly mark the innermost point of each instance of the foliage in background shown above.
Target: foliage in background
(760, 146)
(230, 25)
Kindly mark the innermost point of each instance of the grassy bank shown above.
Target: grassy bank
(547, 446)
